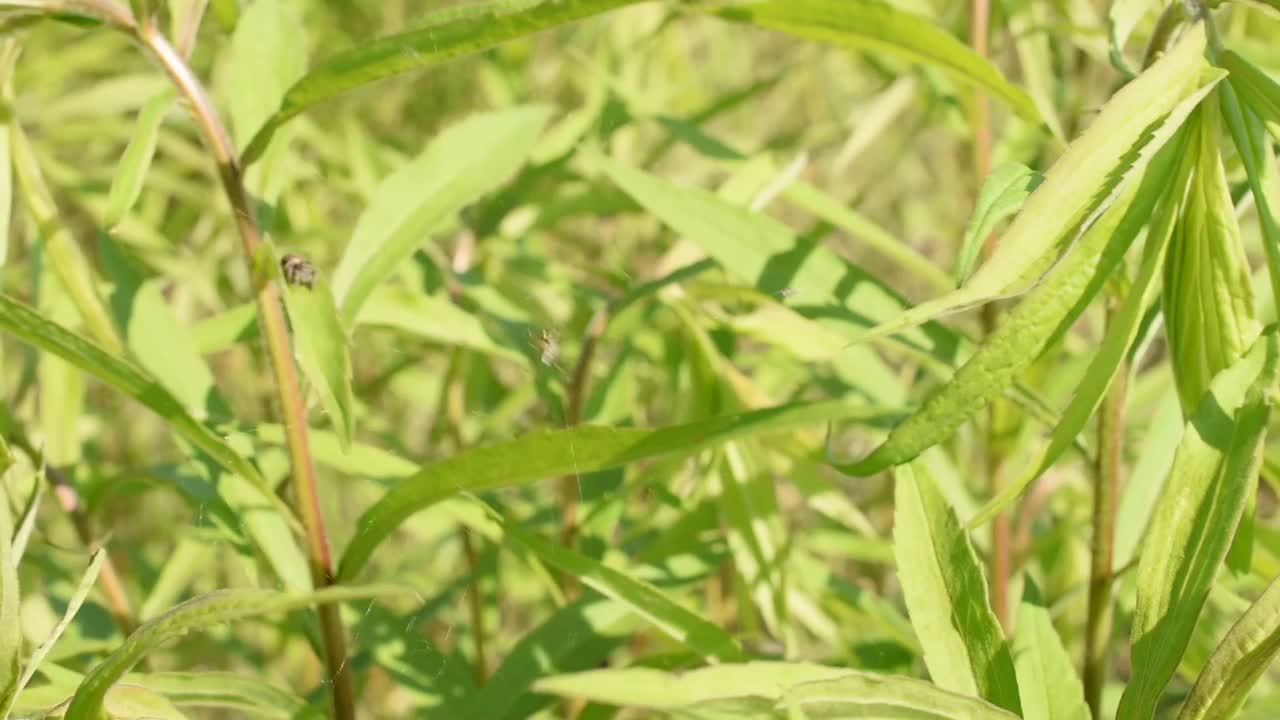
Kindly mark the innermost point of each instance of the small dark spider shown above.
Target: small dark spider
(298, 271)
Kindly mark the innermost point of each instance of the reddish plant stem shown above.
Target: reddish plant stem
(275, 332)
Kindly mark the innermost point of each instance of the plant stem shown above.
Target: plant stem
(271, 320)
(1001, 531)
(576, 393)
(1105, 492)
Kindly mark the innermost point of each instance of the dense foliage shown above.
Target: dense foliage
(606, 358)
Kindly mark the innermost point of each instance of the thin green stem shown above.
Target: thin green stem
(271, 321)
(1105, 494)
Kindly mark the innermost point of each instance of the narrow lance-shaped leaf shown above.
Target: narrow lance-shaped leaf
(1002, 195)
(30, 327)
(1259, 91)
(1132, 126)
(549, 454)
(652, 604)
(246, 695)
(443, 36)
(1192, 526)
(456, 168)
(1240, 659)
(131, 173)
(73, 606)
(1260, 169)
(220, 606)
(873, 25)
(638, 687)
(320, 342)
(946, 595)
(839, 297)
(1209, 312)
(873, 697)
(1030, 327)
(1163, 183)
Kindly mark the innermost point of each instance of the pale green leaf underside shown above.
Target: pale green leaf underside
(1239, 660)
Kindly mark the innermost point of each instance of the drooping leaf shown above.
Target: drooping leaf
(879, 26)
(1163, 183)
(946, 595)
(1030, 327)
(457, 167)
(1258, 91)
(1193, 523)
(580, 450)
(1209, 312)
(220, 606)
(1239, 660)
(1001, 197)
(1133, 125)
(441, 37)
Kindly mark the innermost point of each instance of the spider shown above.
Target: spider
(298, 271)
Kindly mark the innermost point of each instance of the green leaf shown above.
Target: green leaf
(1259, 92)
(638, 687)
(9, 50)
(554, 453)
(838, 296)
(1240, 659)
(126, 184)
(442, 36)
(1249, 136)
(1047, 679)
(1192, 525)
(861, 228)
(1028, 329)
(871, 25)
(1133, 125)
(243, 694)
(650, 603)
(268, 54)
(946, 595)
(575, 637)
(30, 327)
(1210, 319)
(457, 167)
(1162, 183)
(73, 606)
(875, 697)
(320, 343)
(432, 318)
(1002, 196)
(220, 606)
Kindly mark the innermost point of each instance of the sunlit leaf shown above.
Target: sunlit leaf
(946, 595)
(126, 184)
(579, 450)
(1193, 523)
(222, 606)
(1002, 195)
(1239, 661)
(439, 38)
